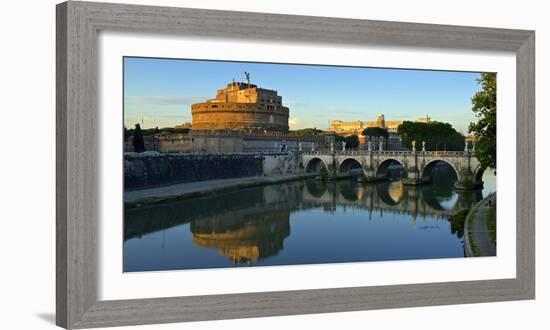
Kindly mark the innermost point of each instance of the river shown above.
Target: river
(301, 222)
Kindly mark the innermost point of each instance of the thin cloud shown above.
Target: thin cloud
(294, 122)
(164, 100)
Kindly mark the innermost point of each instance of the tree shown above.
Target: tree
(484, 105)
(375, 132)
(437, 135)
(352, 141)
(139, 144)
(305, 131)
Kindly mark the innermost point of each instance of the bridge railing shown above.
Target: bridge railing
(391, 153)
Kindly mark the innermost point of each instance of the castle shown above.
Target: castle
(242, 106)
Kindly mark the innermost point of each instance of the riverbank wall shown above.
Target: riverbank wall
(477, 242)
(153, 169)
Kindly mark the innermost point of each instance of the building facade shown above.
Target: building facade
(242, 106)
(356, 127)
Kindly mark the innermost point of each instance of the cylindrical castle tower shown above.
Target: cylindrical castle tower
(242, 107)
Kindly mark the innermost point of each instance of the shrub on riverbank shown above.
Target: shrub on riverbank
(457, 222)
(323, 174)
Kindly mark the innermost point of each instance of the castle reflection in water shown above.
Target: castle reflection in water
(252, 224)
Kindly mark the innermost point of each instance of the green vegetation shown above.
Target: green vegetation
(484, 104)
(492, 223)
(323, 174)
(306, 131)
(195, 194)
(138, 143)
(466, 184)
(438, 136)
(457, 222)
(363, 179)
(375, 132)
(156, 130)
(352, 141)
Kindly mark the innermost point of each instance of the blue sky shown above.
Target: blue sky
(161, 91)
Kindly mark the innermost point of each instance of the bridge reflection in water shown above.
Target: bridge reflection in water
(298, 223)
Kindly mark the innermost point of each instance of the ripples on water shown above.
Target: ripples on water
(302, 222)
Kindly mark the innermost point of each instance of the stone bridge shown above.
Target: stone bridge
(417, 165)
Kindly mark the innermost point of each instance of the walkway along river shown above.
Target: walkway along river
(300, 222)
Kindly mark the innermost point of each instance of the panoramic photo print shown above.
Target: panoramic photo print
(246, 164)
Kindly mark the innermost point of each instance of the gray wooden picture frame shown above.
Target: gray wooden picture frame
(78, 24)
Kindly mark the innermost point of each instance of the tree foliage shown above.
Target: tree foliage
(139, 144)
(156, 130)
(484, 105)
(305, 131)
(437, 135)
(375, 132)
(352, 142)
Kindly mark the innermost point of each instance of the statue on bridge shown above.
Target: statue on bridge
(370, 146)
(413, 143)
(343, 145)
(423, 146)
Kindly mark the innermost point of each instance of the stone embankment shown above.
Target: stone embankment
(154, 177)
(478, 231)
(135, 198)
(153, 169)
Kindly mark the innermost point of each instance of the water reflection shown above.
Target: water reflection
(296, 223)
(245, 239)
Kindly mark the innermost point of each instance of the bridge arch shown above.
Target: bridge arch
(382, 170)
(314, 165)
(426, 172)
(349, 165)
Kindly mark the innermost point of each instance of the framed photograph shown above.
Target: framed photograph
(217, 164)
